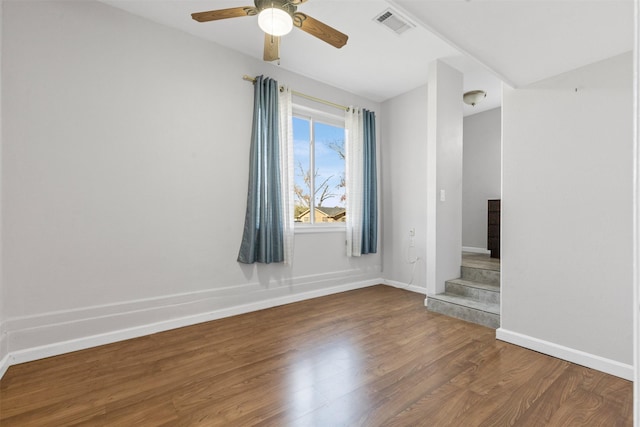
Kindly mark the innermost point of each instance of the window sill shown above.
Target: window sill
(312, 229)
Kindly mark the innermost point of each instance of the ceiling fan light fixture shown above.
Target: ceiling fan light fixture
(275, 21)
(473, 97)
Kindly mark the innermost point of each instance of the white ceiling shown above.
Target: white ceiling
(525, 41)
(517, 41)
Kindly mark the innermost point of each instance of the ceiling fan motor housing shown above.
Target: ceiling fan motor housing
(285, 5)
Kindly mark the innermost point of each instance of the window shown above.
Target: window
(319, 167)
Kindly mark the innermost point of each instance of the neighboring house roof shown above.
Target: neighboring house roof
(330, 211)
(334, 212)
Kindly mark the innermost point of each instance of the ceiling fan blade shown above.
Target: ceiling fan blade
(320, 30)
(271, 47)
(214, 15)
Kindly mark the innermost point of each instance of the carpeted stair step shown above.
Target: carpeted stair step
(480, 275)
(466, 308)
(484, 292)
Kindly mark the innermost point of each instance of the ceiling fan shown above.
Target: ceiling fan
(276, 18)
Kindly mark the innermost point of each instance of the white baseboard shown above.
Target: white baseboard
(4, 352)
(602, 364)
(476, 250)
(25, 335)
(406, 286)
(4, 365)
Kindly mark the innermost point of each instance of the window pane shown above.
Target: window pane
(301, 158)
(319, 163)
(330, 189)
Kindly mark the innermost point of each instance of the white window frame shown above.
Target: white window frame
(314, 115)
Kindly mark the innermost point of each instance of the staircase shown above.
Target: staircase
(474, 297)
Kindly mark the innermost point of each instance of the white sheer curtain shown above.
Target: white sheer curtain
(354, 175)
(286, 168)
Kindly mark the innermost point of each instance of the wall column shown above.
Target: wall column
(444, 176)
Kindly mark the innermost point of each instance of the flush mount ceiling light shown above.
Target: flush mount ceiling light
(275, 21)
(473, 97)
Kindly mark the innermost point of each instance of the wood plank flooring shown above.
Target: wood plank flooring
(370, 357)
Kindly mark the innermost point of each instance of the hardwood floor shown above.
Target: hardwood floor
(371, 357)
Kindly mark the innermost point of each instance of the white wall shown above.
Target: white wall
(636, 283)
(567, 216)
(403, 151)
(124, 175)
(480, 174)
(3, 340)
(444, 174)
(636, 213)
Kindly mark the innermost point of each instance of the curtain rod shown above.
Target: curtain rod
(304, 95)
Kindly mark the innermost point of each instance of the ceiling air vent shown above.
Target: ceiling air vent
(394, 21)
